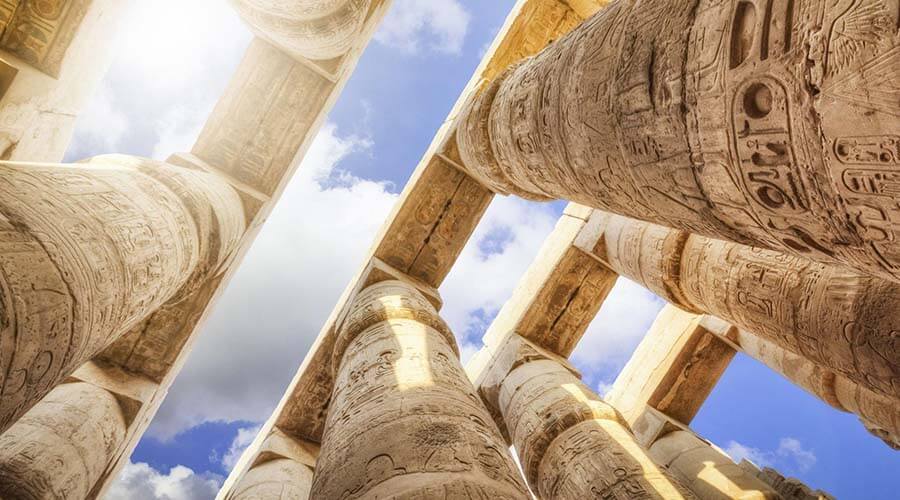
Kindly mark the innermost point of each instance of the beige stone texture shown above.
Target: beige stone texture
(572, 444)
(92, 249)
(708, 471)
(788, 487)
(53, 54)
(62, 446)
(762, 125)
(404, 421)
(835, 317)
(673, 370)
(312, 29)
(880, 414)
(279, 479)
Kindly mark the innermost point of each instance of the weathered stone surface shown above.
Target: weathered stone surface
(61, 447)
(673, 370)
(572, 444)
(280, 479)
(89, 251)
(788, 487)
(314, 29)
(708, 472)
(404, 421)
(755, 123)
(835, 317)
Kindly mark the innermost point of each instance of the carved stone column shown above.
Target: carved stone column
(281, 479)
(89, 250)
(62, 446)
(753, 121)
(404, 421)
(708, 471)
(880, 414)
(571, 444)
(314, 29)
(832, 316)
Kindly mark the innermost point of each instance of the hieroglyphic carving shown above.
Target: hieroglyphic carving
(404, 421)
(89, 251)
(762, 122)
(265, 115)
(40, 31)
(313, 29)
(572, 444)
(788, 488)
(61, 447)
(707, 470)
(837, 318)
(279, 479)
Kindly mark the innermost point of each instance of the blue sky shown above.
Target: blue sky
(157, 96)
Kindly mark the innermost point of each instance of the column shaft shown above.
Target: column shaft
(61, 447)
(279, 479)
(747, 120)
(709, 472)
(88, 251)
(571, 444)
(834, 317)
(314, 29)
(404, 421)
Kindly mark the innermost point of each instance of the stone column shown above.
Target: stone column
(62, 446)
(313, 29)
(404, 421)
(832, 316)
(89, 250)
(750, 121)
(709, 472)
(571, 444)
(878, 413)
(279, 479)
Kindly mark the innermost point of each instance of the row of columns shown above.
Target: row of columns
(730, 119)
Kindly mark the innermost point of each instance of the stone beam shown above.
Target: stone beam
(91, 250)
(428, 227)
(760, 128)
(673, 370)
(53, 56)
(254, 140)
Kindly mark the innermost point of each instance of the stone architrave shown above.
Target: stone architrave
(89, 250)
(834, 317)
(754, 121)
(404, 421)
(313, 29)
(572, 444)
(60, 447)
(709, 472)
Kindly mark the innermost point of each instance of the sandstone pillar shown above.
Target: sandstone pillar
(280, 479)
(753, 121)
(571, 444)
(61, 447)
(708, 471)
(313, 29)
(878, 413)
(53, 54)
(404, 422)
(834, 317)
(89, 250)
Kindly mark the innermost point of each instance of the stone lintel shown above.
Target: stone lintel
(650, 424)
(252, 198)
(673, 370)
(278, 444)
(132, 391)
(560, 293)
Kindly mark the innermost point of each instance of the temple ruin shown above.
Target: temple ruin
(738, 158)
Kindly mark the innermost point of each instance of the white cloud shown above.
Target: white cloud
(440, 24)
(102, 124)
(790, 455)
(141, 482)
(240, 443)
